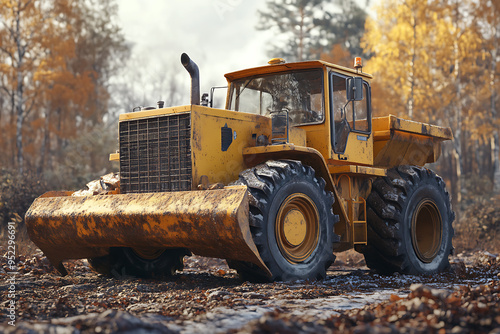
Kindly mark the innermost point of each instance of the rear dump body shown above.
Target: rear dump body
(399, 142)
(164, 201)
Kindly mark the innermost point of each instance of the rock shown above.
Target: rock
(216, 295)
(440, 293)
(458, 268)
(252, 295)
(105, 184)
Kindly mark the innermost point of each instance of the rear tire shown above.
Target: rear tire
(409, 223)
(291, 221)
(123, 262)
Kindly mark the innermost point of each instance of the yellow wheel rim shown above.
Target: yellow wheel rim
(426, 230)
(148, 253)
(297, 228)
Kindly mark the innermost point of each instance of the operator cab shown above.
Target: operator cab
(325, 100)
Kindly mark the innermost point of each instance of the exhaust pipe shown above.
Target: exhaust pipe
(192, 68)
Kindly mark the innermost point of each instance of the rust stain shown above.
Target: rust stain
(210, 223)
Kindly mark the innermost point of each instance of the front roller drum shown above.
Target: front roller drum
(209, 223)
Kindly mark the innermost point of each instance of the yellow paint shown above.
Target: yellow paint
(357, 151)
(317, 138)
(295, 227)
(381, 135)
(392, 122)
(298, 136)
(278, 149)
(207, 155)
(211, 223)
(114, 157)
(353, 169)
(154, 112)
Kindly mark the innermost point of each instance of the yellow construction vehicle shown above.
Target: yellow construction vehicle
(293, 170)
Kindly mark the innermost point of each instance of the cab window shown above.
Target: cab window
(298, 93)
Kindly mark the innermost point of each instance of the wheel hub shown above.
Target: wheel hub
(297, 228)
(426, 230)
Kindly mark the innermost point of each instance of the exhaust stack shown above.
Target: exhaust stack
(192, 68)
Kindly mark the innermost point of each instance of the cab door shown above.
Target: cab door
(350, 120)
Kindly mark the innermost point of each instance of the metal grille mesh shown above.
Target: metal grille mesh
(155, 154)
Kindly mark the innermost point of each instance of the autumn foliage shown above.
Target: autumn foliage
(437, 61)
(56, 59)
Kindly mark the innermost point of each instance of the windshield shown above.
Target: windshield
(298, 93)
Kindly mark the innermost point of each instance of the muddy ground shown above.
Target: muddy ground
(208, 297)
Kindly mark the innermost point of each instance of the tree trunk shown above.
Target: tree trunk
(495, 152)
(19, 122)
(45, 145)
(457, 142)
(20, 112)
(411, 99)
(457, 153)
(495, 145)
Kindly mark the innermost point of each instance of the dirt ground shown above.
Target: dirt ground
(208, 297)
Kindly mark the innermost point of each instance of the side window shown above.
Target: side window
(249, 102)
(360, 120)
(347, 115)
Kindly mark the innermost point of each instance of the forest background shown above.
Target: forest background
(66, 72)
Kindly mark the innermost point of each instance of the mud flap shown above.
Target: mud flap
(209, 223)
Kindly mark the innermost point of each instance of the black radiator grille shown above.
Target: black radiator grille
(155, 154)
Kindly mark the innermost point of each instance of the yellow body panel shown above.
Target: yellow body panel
(354, 169)
(114, 157)
(316, 135)
(298, 136)
(154, 112)
(208, 157)
(359, 150)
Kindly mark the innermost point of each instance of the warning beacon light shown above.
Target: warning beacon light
(358, 63)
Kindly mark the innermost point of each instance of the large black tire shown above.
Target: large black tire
(125, 262)
(410, 220)
(291, 221)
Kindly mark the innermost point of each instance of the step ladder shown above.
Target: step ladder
(357, 224)
(359, 229)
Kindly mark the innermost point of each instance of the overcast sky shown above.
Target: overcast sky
(219, 35)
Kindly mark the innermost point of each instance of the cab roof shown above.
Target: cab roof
(268, 69)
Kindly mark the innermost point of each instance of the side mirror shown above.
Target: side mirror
(354, 89)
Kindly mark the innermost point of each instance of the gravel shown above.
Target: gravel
(208, 297)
